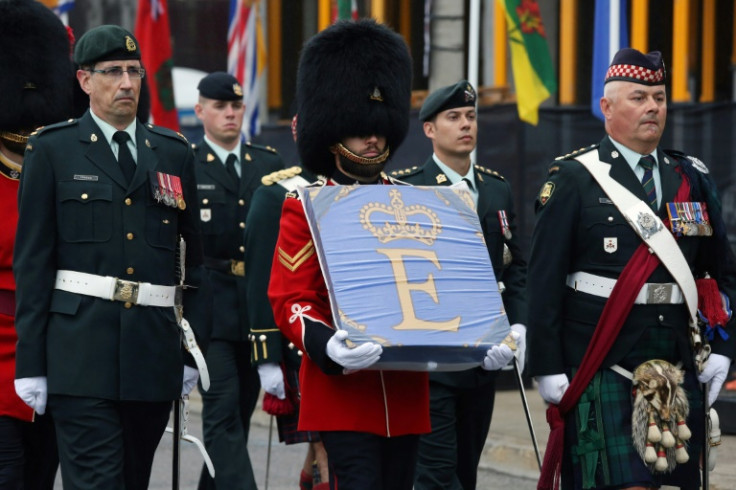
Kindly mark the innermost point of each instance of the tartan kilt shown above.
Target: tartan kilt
(599, 452)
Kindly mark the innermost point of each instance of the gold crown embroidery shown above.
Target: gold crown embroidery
(399, 227)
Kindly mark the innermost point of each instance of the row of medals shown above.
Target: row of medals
(689, 219)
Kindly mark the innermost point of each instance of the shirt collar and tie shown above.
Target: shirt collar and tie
(653, 178)
(224, 154)
(455, 177)
(122, 143)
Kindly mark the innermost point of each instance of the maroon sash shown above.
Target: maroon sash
(7, 302)
(617, 308)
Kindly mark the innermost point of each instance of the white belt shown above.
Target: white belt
(114, 289)
(651, 293)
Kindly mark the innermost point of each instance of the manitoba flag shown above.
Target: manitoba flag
(153, 34)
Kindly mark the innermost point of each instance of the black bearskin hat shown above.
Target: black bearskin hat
(354, 79)
(36, 84)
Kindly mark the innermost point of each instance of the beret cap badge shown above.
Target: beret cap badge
(237, 89)
(130, 44)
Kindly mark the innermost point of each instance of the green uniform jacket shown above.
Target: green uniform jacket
(572, 224)
(261, 234)
(78, 213)
(494, 195)
(224, 208)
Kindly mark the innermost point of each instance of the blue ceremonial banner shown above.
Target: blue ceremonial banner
(407, 267)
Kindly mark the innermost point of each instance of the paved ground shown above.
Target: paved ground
(508, 461)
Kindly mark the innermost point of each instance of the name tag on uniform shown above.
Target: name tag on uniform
(205, 187)
(87, 178)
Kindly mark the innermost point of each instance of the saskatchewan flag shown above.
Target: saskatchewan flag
(534, 75)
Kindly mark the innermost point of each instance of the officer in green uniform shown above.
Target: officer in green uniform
(584, 248)
(103, 203)
(228, 173)
(461, 403)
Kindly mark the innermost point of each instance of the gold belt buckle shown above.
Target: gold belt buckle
(126, 291)
(659, 293)
(237, 268)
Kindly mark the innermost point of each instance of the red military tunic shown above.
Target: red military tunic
(10, 404)
(386, 403)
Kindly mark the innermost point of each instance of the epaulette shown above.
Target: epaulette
(488, 171)
(167, 132)
(51, 127)
(279, 175)
(406, 171)
(696, 163)
(575, 153)
(261, 147)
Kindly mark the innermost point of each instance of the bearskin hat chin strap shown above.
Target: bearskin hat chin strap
(342, 150)
(15, 142)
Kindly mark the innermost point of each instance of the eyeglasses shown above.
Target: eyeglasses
(117, 72)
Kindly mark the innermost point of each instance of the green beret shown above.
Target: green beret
(461, 94)
(220, 86)
(105, 43)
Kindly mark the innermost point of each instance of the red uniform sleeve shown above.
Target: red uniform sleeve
(297, 290)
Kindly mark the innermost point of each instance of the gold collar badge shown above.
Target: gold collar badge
(376, 95)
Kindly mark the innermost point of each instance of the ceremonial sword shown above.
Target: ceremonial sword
(527, 412)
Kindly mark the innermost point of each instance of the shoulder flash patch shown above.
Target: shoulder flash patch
(404, 171)
(544, 195)
(280, 175)
(488, 171)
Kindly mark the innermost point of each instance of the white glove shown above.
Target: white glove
(191, 375)
(34, 392)
(497, 357)
(715, 372)
(352, 359)
(272, 379)
(520, 344)
(552, 387)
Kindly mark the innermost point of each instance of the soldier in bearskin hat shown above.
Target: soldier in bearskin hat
(628, 245)
(35, 89)
(353, 92)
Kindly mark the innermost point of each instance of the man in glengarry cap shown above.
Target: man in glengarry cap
(628, 245)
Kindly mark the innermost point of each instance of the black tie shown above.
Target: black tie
(647, 181)
(125, 159)
(469, 183)
(230, 167)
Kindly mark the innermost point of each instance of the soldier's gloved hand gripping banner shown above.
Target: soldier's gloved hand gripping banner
(407, 267)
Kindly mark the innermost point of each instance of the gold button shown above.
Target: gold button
(205, 201)
(242, 224)
(85, 196)
(129, 236)
(128, 201)
(242, 248)
(130, 270)
(241, 202)
(262, 338)
(128, 304)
